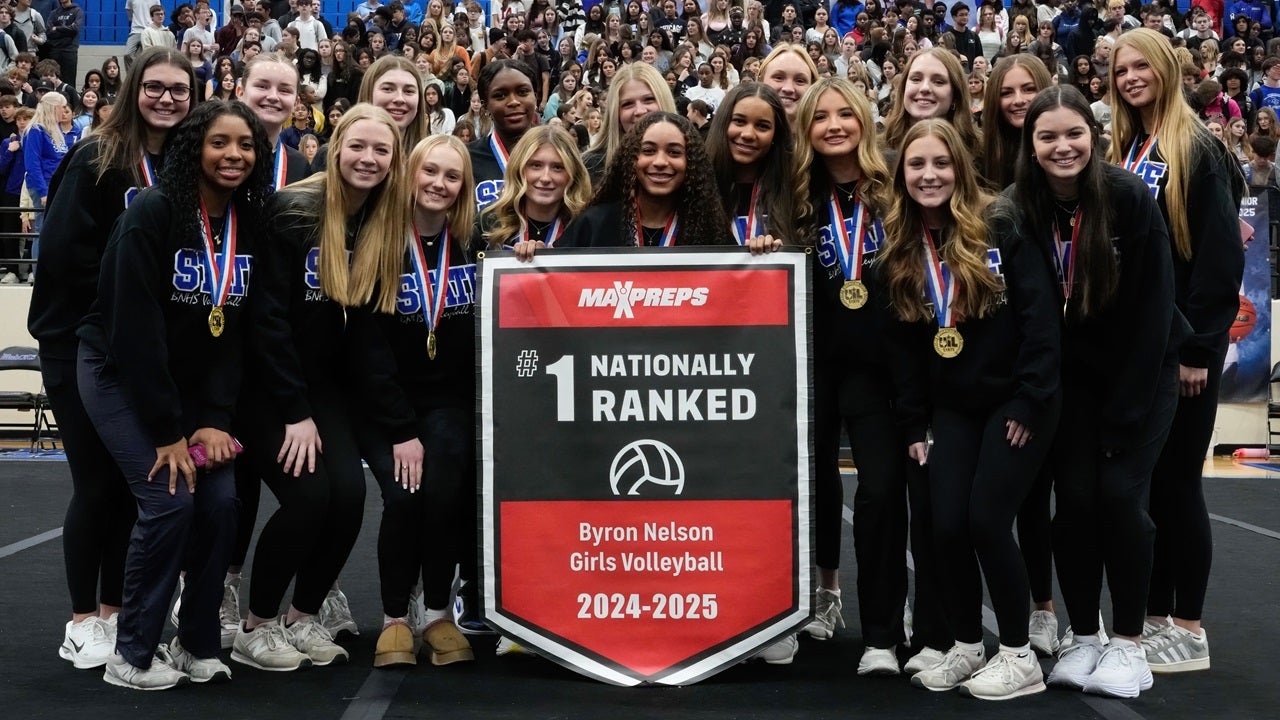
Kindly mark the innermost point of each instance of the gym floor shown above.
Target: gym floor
(821, 683)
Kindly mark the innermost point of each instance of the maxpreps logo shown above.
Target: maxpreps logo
(624, 296)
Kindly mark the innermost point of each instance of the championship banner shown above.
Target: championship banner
(1247, 368)
(644, 435)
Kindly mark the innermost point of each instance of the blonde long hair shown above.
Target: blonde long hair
(463, 213)
(420, 127)
(379, 248)
(507, 213)
(811, 174)
(610, 136)
(1176, 124)
(898, 121)
(46, 118)
(965, 253)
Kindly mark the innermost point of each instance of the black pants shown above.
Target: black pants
(10, 247)
(860, 402)
(1035, 538)
(1184, 540)
(184, 531)
(1102, 520)
(95, 533)
(68, 60)
(929, 621)
(978, 483)
(311, 534)
(428, 533)
(249, 491)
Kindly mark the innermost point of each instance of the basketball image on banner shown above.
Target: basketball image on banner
(1247, 367)
(645, 473)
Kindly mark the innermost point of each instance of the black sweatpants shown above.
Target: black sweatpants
(427, 533)
(1184, 540)
(861, 403)
(1102, 520)
(310, 536)
(979, 482)
(100, 516)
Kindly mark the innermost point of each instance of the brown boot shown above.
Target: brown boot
(395, 647)
(447, 644)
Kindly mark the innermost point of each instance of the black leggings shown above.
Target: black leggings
(1102, 519)
(1035, 538)
(100, 516)
(860, 402)
(430, 532)
(313, 531)
(978, 484)
(1184, 540)
(249, 491)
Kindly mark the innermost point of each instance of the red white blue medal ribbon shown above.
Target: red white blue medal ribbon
(499, 151)
(553, 232)
(148, 172)
(282, 165)
(942, 285)
(1138, 157)
(753, 218)
(432, 298)
(849, 247)
(219, 266)
(668, 231)
(1064, 255)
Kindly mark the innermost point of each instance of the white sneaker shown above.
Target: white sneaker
(9, 279)
(89, 643)
(907, 618)
(781, 652)
(826, 614)
(335, 614)
(1069, 636)
(177, 604)
(1122, 671)
(923, 660)
(314, 640)
(417, 612)
(229, 611)
(1177, 649)
(1008, 675)
(268, 648)
(507, 646)
(1076, 662)
(157, 677)
(200, 670)
(1042, 631)
(878, 661)
(956, 666)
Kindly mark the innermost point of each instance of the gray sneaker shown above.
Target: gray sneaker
(229, 611)
(826, 614)
(781, 652)
(1177, 650)
(957, 666)
(313, 639)
(200, 670)
(160, 676)
(268, 648)
(335, 614)
(1042, 630)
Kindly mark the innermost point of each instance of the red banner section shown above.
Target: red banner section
(705, 297)
(647, 585)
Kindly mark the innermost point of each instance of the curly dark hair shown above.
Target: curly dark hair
(702, 219)
(180, 175)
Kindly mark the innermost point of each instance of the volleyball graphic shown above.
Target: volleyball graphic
(1246, 319)
(646, 462)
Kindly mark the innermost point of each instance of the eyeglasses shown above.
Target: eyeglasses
(156, 90)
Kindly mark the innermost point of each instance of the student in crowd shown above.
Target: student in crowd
(507, 89)
(976, 350)
(97, 181)
(637, 90)
(654, 209)
(51, 133)
(13, 171)
(1110, 252)
(393, 84)
(1014, 81)
(1196, 184)
(159, 369)
(546, 187)
(932, 87)
(418, 435)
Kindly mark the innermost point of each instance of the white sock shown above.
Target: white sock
(1123, 643)
(835, 592)
(1020, 651)
(436, 615)
(387, 621)
(231, 577)
(972, 648)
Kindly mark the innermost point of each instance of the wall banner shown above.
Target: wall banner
(645, 473)
(1247, 367)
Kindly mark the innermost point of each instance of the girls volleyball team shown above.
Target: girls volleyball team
(209, 329)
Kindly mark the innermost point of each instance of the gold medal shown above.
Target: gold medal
(853, 294)
(948, 343)
(217, 321)
(431, 345)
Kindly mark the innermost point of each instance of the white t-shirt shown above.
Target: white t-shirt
(712, 96)
(310, 33)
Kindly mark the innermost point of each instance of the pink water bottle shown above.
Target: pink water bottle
(1251, 453)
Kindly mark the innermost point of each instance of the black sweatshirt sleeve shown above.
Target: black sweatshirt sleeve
(1146, 291)
(386, 403)
(280, 258)
(1032, 296)
(1217, 258)
(132, 292)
